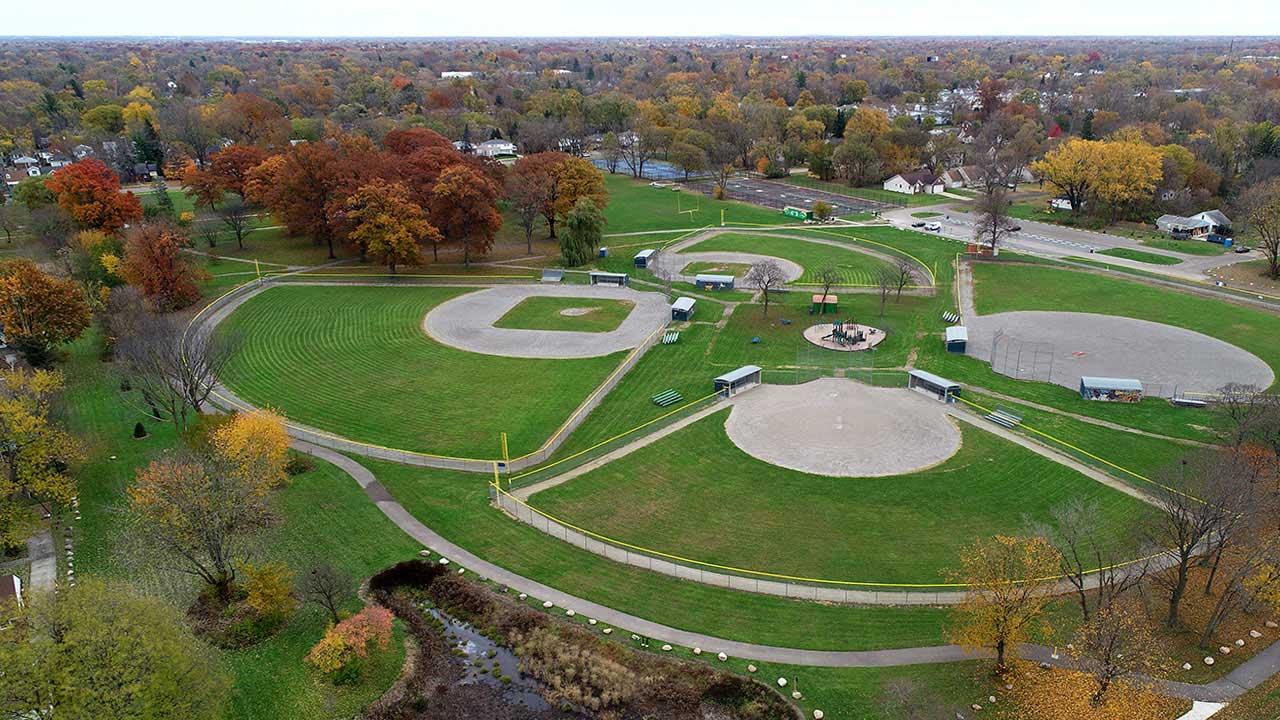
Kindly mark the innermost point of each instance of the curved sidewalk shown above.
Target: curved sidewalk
(1252, 673)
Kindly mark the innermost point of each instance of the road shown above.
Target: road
(1056, 241)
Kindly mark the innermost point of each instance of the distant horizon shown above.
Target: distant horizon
(658, 19)
(726, 36)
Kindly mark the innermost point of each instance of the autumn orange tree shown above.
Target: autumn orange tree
(464, 204)
(89, 192)
(411, 140)
(202, 186)
(255, 446)
(539, 171)
(1008, 586)
(230, 166)
(252, 119)
(38, 311)
(576, 179)
(155, 264)
(35, 452)
(387, 225)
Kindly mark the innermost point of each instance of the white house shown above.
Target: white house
(1183, 227)
(1219, 223)
(494, 148)
(915, 183)
(456, 74)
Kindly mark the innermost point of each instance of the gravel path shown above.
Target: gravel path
(466, 322)
(842, 428)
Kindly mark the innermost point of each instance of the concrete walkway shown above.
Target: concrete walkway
(44, 564)
(1249, 675)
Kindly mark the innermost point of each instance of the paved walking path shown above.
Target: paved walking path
(1250, 674)
(44, 564)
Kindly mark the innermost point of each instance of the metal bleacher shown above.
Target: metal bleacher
(1004, 417)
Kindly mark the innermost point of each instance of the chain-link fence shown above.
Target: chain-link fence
(1020, 359)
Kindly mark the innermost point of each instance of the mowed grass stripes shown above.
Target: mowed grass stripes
(354, 361)
(853, 268)
(696, 494)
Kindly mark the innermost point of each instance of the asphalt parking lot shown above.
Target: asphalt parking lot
(779, 195)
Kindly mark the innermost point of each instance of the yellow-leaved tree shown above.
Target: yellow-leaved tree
(255, 446)
(1127, 173)
(34, 452)
(1009, 580)
(1071, 170)
(387, 225)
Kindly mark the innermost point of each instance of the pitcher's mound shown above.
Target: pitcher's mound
(842, 428)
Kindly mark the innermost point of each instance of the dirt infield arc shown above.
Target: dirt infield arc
(467, 323)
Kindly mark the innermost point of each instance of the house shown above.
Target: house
(24, 161)
(962, 177)
(81, 151)
(464, 146)
(10, 589)
(456, 74)
(915, 183)
(1184, 227)
(1060, 203)
(13, 176)
(1219, 223)
(495, 148)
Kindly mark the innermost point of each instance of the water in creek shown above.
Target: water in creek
(481, 655)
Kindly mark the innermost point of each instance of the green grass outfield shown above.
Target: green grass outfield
(634, 205)
(1141, 256)
(354, 361)
(1189, 247)
(697, 495)
(734, 269)
(548, 313)
(854, 268)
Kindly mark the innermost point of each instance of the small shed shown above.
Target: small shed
(935, 385)
(599, 277)
(823, 303)
(604, 252)
(10, 590)
(1110, 389)
(682, 308)
(957, 339)
(552, 276)
(735, 381)
(642, 258)
(707, 281)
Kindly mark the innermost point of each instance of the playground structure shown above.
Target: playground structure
(844, 336)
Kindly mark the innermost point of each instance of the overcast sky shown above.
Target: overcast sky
(541, 18)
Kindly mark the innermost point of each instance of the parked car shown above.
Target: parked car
(1242, 248)
(1015, 228)
(933, 227)
(918, 224)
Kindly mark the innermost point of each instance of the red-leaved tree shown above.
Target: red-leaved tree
(155, 264)
(464, 206)
(90, 193)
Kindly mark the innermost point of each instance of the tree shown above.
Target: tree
(584, 226)
(9, 221)
(822, 210)
(1114, 643)
(411, 140)
(230, 167)
(99, 650)
(576, 178)
(1072, 170)
(328, 587)
(350, 640)
(1084, 553)
(175, 370)
(254, 445)
(540, 170)
(35, 453)
(909, 699)
(993, 222)
(767, 277)
(856, 162)
(38, 311)
(904, 271)
(1007, 590)
(237, 217)
(202, 186)
(33, 194)
(89, 192)
(302, 185)
(196, 517)
(611, 151)
(1187, 497)
(1127, 173)
(252, 120)
(268, 590)
(827, 276)
(386, 224)
(690, 158)
(155, 263)
(464, 204)
(526, 196)
(1260, 205)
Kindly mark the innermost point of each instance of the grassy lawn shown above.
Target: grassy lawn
(273, 245)
(566, 313)
(735, 269)
(634, 205)
(855, 268)
(1189, 247)
(1140, 256)
(696, 494)
(355, 361)
(456, 506)
(878, 194)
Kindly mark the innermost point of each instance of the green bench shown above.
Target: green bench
(667, 397)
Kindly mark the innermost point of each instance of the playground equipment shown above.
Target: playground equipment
(842, 336)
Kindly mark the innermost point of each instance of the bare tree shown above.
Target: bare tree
(1073, 531)
(236, 216)
(767, 277)
(886, 281)
(1247, 409)
(993, 223)
(908, 699)
(1191, 511)
(827, 276)
(1260, 206)
(328, 587)
(1115, 642)
(209, 233)
(174, 367)
(905, 273)
(9, 220)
